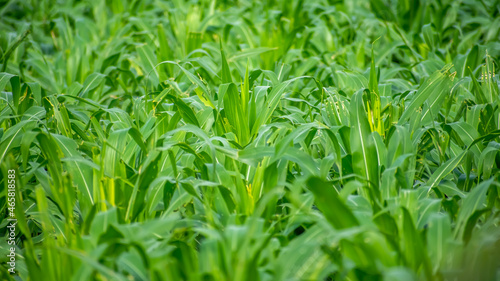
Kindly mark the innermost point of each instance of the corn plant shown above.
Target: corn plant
(250, 140)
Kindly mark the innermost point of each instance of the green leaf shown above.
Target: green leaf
(364, 152)
(444, 170)
(328, 202)
(147, 173)
(474, 201)
(413, 246)
(185, 111)
(439, 239)
(148, 61)
(225, 72)
(247, 53)
(467, 134)
(234, 112)
(438, 82)
(91, 82)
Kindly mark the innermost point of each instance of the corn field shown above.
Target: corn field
(263, 140)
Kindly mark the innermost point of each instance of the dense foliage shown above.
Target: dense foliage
(251, 140)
